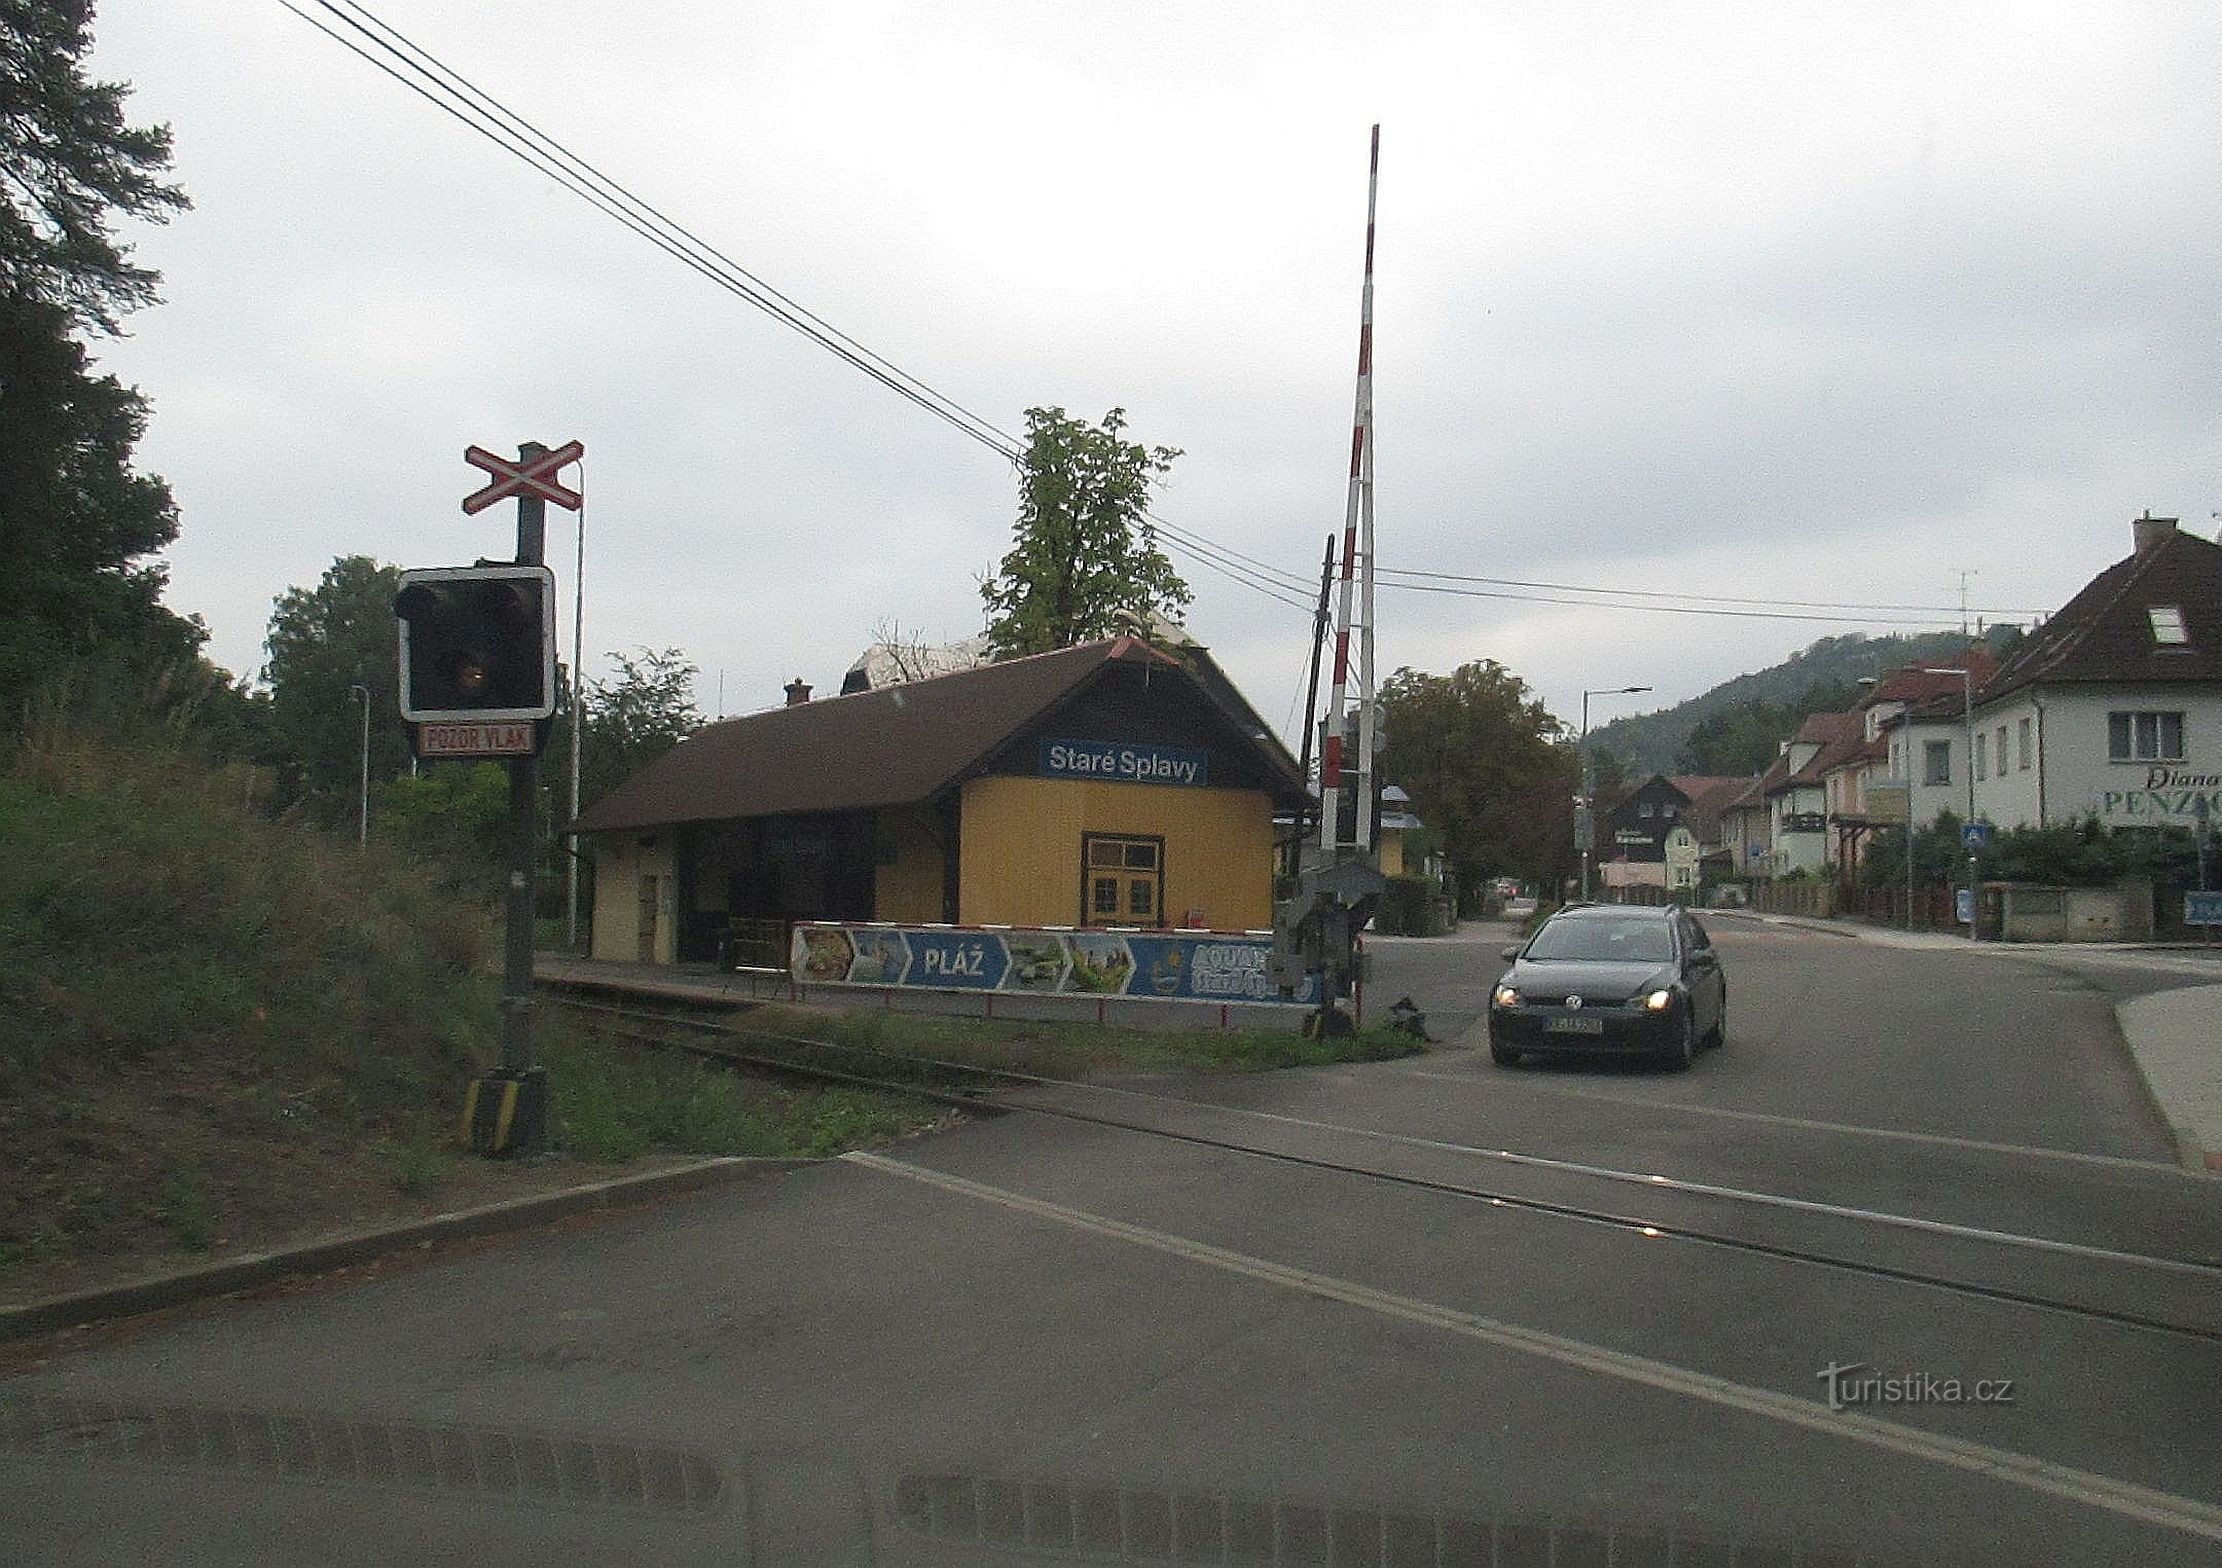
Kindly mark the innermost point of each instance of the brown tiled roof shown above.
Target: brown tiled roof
(2105, 634)
(1918, 683)
(1838, 735)
(879, 748)
(1709, 794)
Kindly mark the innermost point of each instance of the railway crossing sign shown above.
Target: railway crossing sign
(522, 477)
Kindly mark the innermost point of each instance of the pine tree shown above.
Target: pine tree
(76, 521)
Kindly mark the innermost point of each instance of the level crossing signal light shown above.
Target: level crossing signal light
(477, 642)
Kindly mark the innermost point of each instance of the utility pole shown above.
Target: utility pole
(1320, 622)
(1588, 810)
(362, 825)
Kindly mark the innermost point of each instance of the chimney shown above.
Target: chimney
(2150, 530)
(798, 692)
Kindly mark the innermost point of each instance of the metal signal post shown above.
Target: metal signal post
(507, 1112)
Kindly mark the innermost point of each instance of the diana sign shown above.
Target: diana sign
(2168, 796)
(1125, 762)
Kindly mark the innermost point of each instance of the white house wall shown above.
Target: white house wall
(2080, 781)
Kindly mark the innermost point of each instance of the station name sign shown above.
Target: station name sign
(1125, 762)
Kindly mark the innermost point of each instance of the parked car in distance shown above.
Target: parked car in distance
(1611, 980)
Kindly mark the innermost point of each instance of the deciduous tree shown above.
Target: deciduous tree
(636, 718)
(1084, 555)
(324, 640)
(1487, 767)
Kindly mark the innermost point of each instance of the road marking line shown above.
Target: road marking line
(1652, 1182)
(1942, 1139)
(2124, 1498)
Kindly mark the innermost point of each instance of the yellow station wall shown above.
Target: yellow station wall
(620, 861)
(1020, 848)
(906, 883)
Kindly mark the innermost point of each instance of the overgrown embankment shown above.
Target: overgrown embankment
(221, 1031)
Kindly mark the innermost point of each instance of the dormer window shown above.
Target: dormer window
(2168, 629)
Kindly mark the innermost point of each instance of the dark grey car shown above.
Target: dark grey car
(1611, 980)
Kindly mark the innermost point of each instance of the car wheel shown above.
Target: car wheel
(1678, 1056)
(1719, 1036)
(1503, 1055)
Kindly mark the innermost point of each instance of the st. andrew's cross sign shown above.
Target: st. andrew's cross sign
(522, 477)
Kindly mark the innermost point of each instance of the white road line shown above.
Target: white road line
(1653, 1182)
(1942, 1140)
(2123, 1498)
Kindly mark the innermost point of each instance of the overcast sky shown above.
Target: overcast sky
(1776, 300)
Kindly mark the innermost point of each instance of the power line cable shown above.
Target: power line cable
(417, 69)
(472, 110)
(1669, 593)
(1666, 609)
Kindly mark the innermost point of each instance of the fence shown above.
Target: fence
(1934, 908)
(1814, 899)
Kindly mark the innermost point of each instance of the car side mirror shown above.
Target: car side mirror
(1509, 954)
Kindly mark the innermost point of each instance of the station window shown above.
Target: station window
(1122, 880)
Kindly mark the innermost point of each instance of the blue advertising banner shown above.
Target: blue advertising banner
(1125, 762)
(1180, 966)
(2202, 909)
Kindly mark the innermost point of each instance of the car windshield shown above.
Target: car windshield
(1606, 941)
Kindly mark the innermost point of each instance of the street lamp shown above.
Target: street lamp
(1967, 697)
(361, 694)
(1589, 789)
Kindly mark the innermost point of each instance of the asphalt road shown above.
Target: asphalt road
(1401, 1313)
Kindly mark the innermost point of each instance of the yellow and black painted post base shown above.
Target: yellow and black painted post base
(506, 1112)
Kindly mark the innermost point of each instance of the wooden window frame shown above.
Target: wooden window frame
(1125, 873)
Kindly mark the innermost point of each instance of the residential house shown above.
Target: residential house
(2113, 708)
(1796, 791)
(1919, 714)
(1747, 829)
(1657, 834)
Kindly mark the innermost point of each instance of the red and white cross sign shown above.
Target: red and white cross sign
(522, 477)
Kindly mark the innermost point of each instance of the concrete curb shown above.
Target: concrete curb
(260, 1268)
(2172, 1039)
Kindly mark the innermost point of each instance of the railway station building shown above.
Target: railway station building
(1109, 784)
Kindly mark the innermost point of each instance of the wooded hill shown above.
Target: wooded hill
(1734, 727)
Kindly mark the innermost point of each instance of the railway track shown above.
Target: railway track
(1807, 1233)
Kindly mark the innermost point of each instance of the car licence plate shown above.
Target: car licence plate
(1574, 1023)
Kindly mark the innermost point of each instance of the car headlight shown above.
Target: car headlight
(1507, 997)
(1658, 1001)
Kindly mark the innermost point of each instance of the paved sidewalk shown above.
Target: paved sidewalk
(2176, 1037)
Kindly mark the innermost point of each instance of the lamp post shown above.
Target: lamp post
(1589, 791)
(1967, 699)
(361, 694)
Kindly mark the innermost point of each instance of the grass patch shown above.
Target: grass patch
(184, 1207)
(614, 1101)
(1074, 1049)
